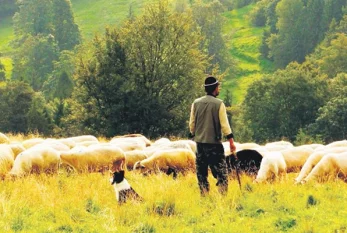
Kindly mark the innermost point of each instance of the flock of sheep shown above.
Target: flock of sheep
(135, 152)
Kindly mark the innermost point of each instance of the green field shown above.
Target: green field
(86, 203)
(243, 42)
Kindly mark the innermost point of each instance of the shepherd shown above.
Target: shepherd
(208, 120)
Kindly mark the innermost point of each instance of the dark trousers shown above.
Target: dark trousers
(211, 155)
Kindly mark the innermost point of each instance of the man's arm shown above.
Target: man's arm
(226, 130)
(192, 122)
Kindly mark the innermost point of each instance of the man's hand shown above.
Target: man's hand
(232, 146)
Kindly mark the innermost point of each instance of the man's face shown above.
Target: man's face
(217, 89)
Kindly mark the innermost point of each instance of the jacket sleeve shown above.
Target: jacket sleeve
(192, 121)
(224, 122)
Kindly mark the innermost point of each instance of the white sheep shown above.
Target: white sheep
(4, 139)
(296, 157)
(272, 166)
(342, 143)
(137, 136)
(17, 148)
(330, 166)
(94, 158)
(32, 142)
(83, 138)
(6, 159)
(129, 143)
(38, 159)
(131, 157)
(278, 145)
(314, 158)
(180, 144)
(168, 161)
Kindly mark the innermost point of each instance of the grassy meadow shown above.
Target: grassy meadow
(243, 41)
(71, 202)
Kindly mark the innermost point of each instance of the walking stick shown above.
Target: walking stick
(237, 169)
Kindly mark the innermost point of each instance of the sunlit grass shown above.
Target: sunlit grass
(243, 43)
(72, 202)
(86, 203)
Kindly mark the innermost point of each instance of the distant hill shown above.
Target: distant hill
(243, 40)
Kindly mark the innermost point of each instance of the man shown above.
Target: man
(208, 120)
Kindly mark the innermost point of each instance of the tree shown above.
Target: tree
(66, 31)
(166, 69)
(280, 104)
(210, 21)
(38, 116)
(33, 62)
(33, 18)
(333, 59)
(2, 72)
(331, 122)
(142, 78)
(16, 99)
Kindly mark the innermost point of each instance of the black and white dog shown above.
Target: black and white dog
(122, 188)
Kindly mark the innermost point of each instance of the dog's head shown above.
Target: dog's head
(118, 177)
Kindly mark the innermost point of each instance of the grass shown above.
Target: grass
(71, 202)
(86, 203)
(93, 16)
(243, 44)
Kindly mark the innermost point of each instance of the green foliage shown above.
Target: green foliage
(333, 59)
(15, 102)
(311, 201)
(66, 31)
(210, 21)
(258, 15)
(33, 61)
(278, 106)
(2, 72)
(331, 122)
(42, 29)
(7, 8)
(39, 116)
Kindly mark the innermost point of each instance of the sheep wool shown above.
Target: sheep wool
(94, 158)
(38, 159)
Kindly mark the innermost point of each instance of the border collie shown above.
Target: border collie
(122, 188)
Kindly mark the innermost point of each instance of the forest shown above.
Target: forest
(140, 72)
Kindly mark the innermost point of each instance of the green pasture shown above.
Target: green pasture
(86, 203)
(94, 16)
(243, 42)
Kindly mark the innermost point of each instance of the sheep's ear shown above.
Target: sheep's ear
(142, 166)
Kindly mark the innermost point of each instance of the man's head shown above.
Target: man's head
(211, 86)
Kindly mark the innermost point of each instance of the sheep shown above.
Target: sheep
(168, 161)
(17, 148)
(55, 144)
(129, 144)
(342, 143)
(67, 141)
(246, 160)
(137, 136)
(6, 159)
(83, 138)
(272, 166)
(131, 157)
(279, 145)
(94, 158)
(314, 158)
(32, 142)
(328, 167)
(4, 139)
(37, 159)
(296, 157)
(180, 144)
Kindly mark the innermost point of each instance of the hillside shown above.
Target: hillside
(243, 43)
(243, 40)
